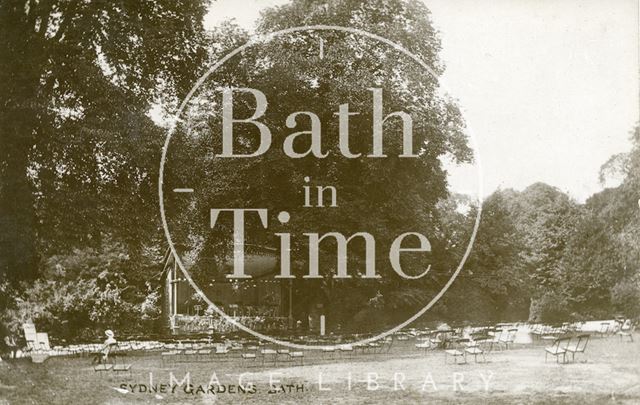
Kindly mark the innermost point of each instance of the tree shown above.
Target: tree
(384, 196)
(493, 285)
(76, 81)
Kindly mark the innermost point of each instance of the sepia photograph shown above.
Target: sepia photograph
(319, 201)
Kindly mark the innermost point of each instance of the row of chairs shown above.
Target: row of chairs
(257, 352)
(274, 356)
(113, 364)
(463, 348)
(565, 345)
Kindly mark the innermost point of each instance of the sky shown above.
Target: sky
(549, 88)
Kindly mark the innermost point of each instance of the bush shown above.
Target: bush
(81, 294)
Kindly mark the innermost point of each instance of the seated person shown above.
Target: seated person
(107, 347)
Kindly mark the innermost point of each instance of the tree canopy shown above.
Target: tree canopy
(80, 232)
(78, 150)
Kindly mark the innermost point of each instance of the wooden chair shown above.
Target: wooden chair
(557, 349)
(579, 346)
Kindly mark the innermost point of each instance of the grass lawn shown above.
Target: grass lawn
(608, 372)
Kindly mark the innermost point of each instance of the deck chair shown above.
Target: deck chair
(42, 340)
(557, 349)
(579, 346)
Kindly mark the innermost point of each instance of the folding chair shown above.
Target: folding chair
(559, 347)
(578, 347)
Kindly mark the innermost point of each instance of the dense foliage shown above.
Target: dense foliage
(81, 245)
